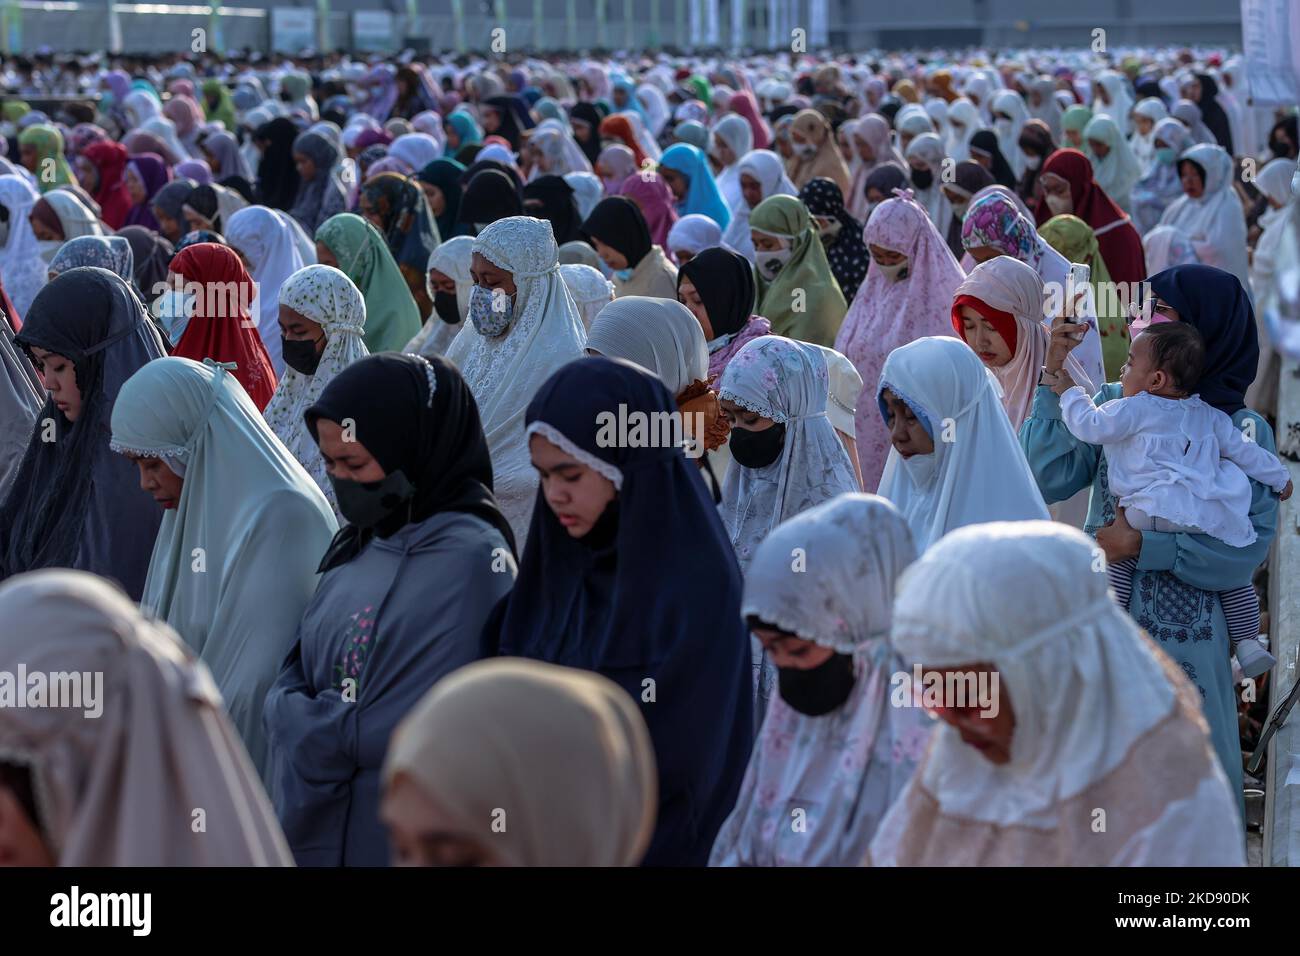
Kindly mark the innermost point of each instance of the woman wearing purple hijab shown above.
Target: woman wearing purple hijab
(382, 84)
(195, 169)
(145, 174)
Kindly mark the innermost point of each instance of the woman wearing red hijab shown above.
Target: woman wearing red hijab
(1069, 187)
(99, 169)
(743, 103)
(617, 127)
(219, 325)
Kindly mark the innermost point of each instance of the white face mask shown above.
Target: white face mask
(771, 263)
(1003, 126)
(959, 208)
(1032, 162)
(1060, 205)
(830, 230)
(48, 247)
(805, 150)
(921, 468)
(173, 309)
(892, 273)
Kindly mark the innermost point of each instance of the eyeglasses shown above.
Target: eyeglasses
(1140, 318)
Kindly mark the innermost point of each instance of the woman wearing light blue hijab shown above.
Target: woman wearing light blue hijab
(625, 100)
(243, 529)
(461, 131)
(686, 170)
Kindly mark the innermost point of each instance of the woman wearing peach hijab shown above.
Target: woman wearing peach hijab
(998, 312)
(514, 762)
(816, 152)
(119, 789)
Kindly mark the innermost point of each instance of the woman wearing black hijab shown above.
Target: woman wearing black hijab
(585, 120)
(475, 168)
(277, 176)
(984, 150)
(511, 119)
(718, 286)
(1212, 114)
(618, 231)
(489, 196)
(551, 198)
(74, 502)
(414, 482)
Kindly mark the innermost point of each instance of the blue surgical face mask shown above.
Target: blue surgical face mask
(173, 309)
(491, 311)
(1166, 156)
(623, 275)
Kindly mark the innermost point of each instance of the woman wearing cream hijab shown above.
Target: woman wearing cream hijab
(513, 762)
(815, 152)
(120, 789)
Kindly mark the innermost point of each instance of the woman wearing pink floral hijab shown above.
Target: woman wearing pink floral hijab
(906, 295)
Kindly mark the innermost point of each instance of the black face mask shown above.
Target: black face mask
(301, 355)
(922, 178)
(367, 503)
(444, 303)
(757, 449)
(819, 690)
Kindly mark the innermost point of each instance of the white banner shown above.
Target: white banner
(1270, 39)
(712, 33)
(292, 29)
(372, 31)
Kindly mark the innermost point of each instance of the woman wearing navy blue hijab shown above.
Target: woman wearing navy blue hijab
(511, 118)
(1174, 595)
(628, 572)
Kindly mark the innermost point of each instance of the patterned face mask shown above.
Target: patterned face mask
(491, 311)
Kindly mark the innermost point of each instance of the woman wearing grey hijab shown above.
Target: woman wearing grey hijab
(321, 191)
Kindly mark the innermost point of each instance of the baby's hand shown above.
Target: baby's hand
(1286, 492)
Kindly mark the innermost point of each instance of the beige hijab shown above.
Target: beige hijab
(1010, 285)
(565, 753)
(159, 778)
(827, 162)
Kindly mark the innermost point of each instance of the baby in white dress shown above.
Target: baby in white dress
(1179, 465)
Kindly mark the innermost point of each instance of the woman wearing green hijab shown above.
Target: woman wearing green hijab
(703, 91)
(41, 151)
(243, 531)
(797, 292)
(349, 243)
(1074, 239)
(218, 105)
(1073, 121)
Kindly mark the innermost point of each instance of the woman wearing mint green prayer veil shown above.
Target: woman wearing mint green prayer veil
(1173, 599)
(243, 528)
(351, 244)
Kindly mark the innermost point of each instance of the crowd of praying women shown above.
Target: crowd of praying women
(323, 418)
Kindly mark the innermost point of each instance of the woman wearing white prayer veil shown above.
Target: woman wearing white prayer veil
(325, 296)
(1209, 211)
(1009, 117)
(691, 235)
(22, 269)
(1087, 713)
(955, 460)
(785, 454)
(658, 334)
(1111, 97)
(269, 249)
(21, 398)
(117, 790)
(448, 282)
(964, 121)
(587, 189)
(1114, 166)
(844, 755)
(524, 326)
(762, 175)
(731, 141)
(556, 152)
(1146, 114)
(1189, 114)
(655, 104)
(1274, 182)
(590, 289)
